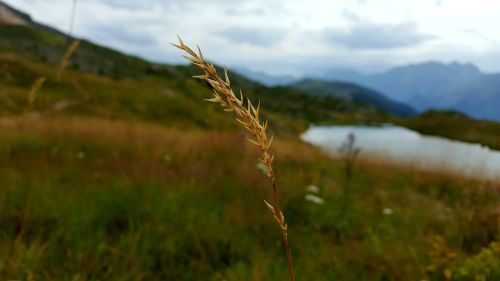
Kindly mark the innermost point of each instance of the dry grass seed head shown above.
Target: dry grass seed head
(247, 115)
(37, 85)
(65, 59)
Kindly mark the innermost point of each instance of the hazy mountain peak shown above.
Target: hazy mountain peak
(265, 78)
(10, 15)
(419, 85)
(433, 66)
(355, 93)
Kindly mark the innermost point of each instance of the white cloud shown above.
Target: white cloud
(379, 36)
(257, 36)
(289, 35)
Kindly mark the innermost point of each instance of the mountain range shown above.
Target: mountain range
(420, 85)
(264, 78)
(9, 15)
(353, 92)
(424, 86)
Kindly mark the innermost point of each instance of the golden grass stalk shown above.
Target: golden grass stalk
(248, 116)
(38, 84)
(65, 59)
(34, 92)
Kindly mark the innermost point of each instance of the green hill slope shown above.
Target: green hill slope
(355, 93)
(113, 84)
(102, 82)
(455, 125)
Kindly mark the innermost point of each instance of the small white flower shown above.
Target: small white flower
(312, 188)
(387, 211)
(262, 167)
(314, 199)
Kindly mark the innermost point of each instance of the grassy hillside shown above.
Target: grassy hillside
(354, 93)
(456, 126)
(110, 84)
(48, 45)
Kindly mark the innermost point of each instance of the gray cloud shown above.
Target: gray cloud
(232, 11)
(254, 36)
(483, 37)
(120, 35)
(351, 16)
(301, 38)
(129, 5)
(378, 36)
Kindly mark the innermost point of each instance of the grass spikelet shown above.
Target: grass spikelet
(65, 59)
(33, 93)
(247, 115)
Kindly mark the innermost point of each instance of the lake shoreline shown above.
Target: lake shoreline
(406, 147)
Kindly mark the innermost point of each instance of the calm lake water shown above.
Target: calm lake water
(410, 148)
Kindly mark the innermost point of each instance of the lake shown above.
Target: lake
(402, 145)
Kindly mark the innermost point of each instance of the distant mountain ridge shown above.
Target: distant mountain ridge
(355, 93)
(434, 85)
(419, 85)
(424, 86)
(10, 15)
(347, 91)
(266, 79)
(479, 98)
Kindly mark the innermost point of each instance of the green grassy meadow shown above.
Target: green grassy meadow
(90, 199)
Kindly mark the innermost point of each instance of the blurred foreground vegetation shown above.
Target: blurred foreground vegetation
(89, 199)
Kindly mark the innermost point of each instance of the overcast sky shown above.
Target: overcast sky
(289, 36)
